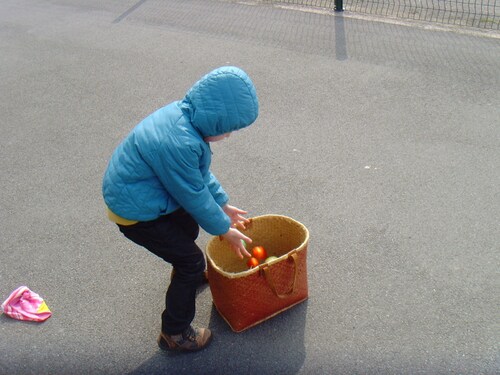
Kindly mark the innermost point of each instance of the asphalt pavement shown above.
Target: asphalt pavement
(382, 138)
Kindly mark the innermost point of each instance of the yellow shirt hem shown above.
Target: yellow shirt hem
(119, 220)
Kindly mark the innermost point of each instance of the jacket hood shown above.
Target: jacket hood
(222, 101)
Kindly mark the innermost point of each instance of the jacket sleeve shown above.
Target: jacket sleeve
(216, 189)
(179, 171)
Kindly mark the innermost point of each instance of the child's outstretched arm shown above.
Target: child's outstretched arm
(234, 237)
(235, 214)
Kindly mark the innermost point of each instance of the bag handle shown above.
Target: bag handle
(267, 275)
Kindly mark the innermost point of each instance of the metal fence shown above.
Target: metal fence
(484, 14)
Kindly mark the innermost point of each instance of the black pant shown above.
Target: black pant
(172, 238)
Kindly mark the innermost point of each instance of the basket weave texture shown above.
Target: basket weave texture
(246, 297)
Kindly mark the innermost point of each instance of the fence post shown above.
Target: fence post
(339, 6)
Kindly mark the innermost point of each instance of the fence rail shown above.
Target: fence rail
(484, 14)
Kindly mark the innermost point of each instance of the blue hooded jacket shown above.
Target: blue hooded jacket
(163, 164)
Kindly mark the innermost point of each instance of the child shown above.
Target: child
(158, 188)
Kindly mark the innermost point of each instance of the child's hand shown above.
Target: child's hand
(234, 237)
(235, 214)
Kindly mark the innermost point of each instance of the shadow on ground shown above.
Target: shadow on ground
(271, 344)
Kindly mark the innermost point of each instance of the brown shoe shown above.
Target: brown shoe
(191, 340)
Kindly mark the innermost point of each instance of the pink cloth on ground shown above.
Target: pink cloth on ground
(23, 304)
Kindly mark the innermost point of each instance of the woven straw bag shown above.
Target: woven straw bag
(246, 297)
